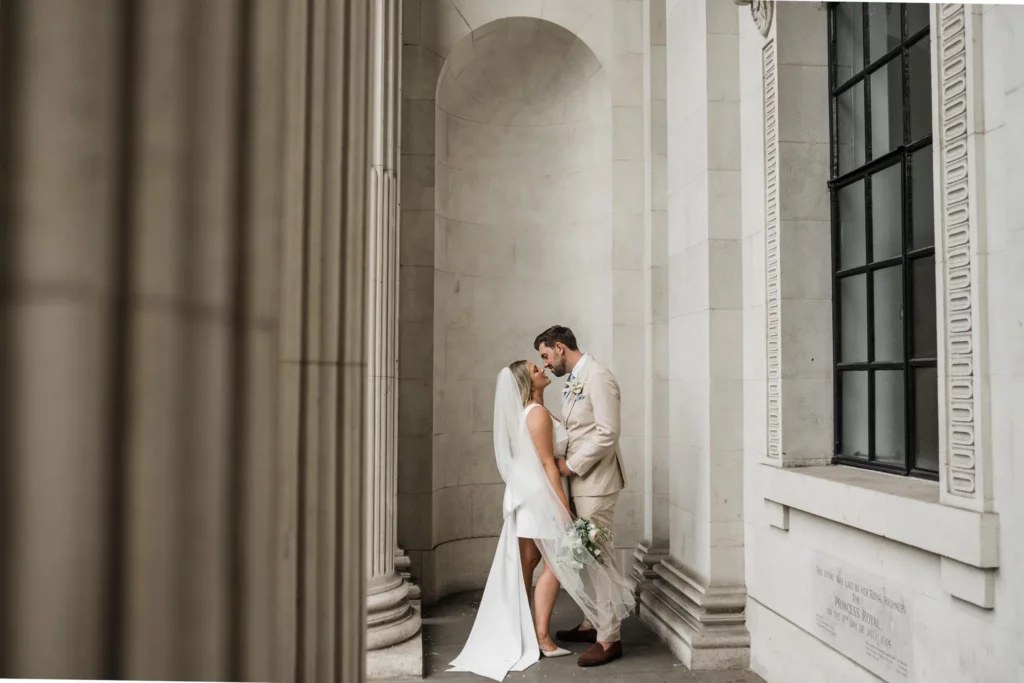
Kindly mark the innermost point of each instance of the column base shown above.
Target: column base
(404, 660)
(645, 558)
(704, 627)
(402, 565)
(394, 639)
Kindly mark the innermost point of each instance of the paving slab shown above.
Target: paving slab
(446, 626)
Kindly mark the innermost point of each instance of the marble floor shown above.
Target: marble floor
(447, 624)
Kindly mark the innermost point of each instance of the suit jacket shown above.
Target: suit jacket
(592, 417)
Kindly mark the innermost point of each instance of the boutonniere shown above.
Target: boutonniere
(576, 388)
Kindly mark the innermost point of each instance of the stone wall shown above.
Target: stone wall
(946, 551)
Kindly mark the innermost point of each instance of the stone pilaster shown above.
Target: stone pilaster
(655, 530)
(393, 626)
(697, 598)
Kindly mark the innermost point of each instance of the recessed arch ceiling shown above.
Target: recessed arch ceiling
(522, 71)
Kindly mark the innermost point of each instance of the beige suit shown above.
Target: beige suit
(592, 417)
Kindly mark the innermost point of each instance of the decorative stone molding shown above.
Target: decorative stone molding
(761, 11)
(962, 470)
(704, 626)
(646, 557)
(773, 304)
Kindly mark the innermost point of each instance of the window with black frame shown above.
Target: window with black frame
(883, 237)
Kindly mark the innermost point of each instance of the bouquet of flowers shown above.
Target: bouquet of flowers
(586, 538)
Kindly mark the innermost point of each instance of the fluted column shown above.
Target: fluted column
(393, 625)
(182, 339)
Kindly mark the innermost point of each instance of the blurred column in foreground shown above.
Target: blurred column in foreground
(181, 371)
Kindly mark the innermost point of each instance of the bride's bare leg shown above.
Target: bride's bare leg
(544, 604)
(529, 556)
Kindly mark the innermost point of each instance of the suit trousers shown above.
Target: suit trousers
(601, 511)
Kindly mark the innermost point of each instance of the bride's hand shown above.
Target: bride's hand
(563, 467)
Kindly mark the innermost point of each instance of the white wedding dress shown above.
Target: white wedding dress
(527, 525)
(503, 638)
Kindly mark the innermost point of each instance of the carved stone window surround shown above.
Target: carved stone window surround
(957, 122)
(952, 518)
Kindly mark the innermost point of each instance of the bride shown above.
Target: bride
(537, 525)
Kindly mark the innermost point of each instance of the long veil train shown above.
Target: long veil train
(503, 637)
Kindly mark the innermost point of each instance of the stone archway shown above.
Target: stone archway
(445, 49)
(523, 239)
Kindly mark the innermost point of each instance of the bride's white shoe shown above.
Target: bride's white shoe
(557, 652)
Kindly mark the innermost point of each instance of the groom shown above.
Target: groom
(591, 414)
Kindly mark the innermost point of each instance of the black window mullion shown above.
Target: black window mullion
(869, 280)
(883, 61)
(909, 395)
(908, 323)
(876, 365)
(917, 37)
(869, 284)
(871, 68)
(860, 77)
(866, 45)
(923, 252)
(870, 267)
(870, 168)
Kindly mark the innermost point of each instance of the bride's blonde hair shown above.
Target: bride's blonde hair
(521, 371)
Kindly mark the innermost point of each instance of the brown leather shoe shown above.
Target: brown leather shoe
(577, 635)
(598, 656)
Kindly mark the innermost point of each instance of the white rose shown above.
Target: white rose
(592, 535)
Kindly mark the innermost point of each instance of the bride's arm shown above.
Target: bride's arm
(539, 424)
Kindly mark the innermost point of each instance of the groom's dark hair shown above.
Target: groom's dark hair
(555, 335)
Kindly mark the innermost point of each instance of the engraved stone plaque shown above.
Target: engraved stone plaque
(865, 617)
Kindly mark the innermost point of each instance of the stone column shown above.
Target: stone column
(325, 308)
(182, 366)
(393, 626)
(697, 600)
